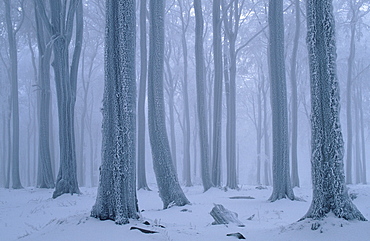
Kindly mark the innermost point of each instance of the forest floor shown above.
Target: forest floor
(31, 214)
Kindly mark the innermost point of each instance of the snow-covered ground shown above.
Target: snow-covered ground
(31, 214)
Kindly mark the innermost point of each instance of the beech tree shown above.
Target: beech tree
(167, 180)
(281, 179)
(201, 96)
(329, 188)
(116, 199)
(60, 27)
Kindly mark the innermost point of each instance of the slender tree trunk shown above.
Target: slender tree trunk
(259, 132)
(281, 178)
(363, 147)
(266, 158)
(293, 78)
(349, 100)
(186, 160)
(16, 182)
(201, 96)
(168, 185)
(141, 181)
(357, 137)
(329, 189)
(217, 104)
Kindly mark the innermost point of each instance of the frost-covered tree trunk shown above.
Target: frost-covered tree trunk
(358, 160)
(201, 96)
(186, 150)
(280, 154)
(141, 174)
(217, 95)
(16, 182)
(60, 27)
(293, 78)
(329, 189)
(45, 177)
(116, 199)
(168, 184)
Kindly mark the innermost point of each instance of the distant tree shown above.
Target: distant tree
(116, 199)
(217, 104)
(201, 96)
(293, 78)
(168, 185)
(281, 179)
(141, 178)
(329, 189)
(184, 19)
(12, 31)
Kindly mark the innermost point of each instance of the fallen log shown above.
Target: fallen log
(222, 215)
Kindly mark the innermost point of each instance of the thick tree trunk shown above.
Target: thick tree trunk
(168, 185)
(217, 96)
(116, 198)
(201, 96)
(281, 178)
(141, 177)
(293, 78)
(329, 189)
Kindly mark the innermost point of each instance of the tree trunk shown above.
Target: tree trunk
(349, 99)
(116, 199)
(45, 176)
(217, 96)
(329, 190)
(281, 178)
(141, 179)
(16, 182)
(186, 160)
(363, 146)
(169, 187)
(201, 96)
(293, 77)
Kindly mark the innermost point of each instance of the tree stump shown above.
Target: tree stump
(224, 216)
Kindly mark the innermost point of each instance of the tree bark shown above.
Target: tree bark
(141, 179)
(329, 189)
(116, 198)
(217, 96)
(281, 178)
(293, 78)
(16, 182)
(169, 187)
(201, 96)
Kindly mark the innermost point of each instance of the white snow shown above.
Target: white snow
(31, 214)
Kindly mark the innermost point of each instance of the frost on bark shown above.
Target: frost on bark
(116, 199)
(281, 178)
(141, 179)
(329, 189)
(217, 105)
(61, 27)
(201, 96)
(168, 184)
